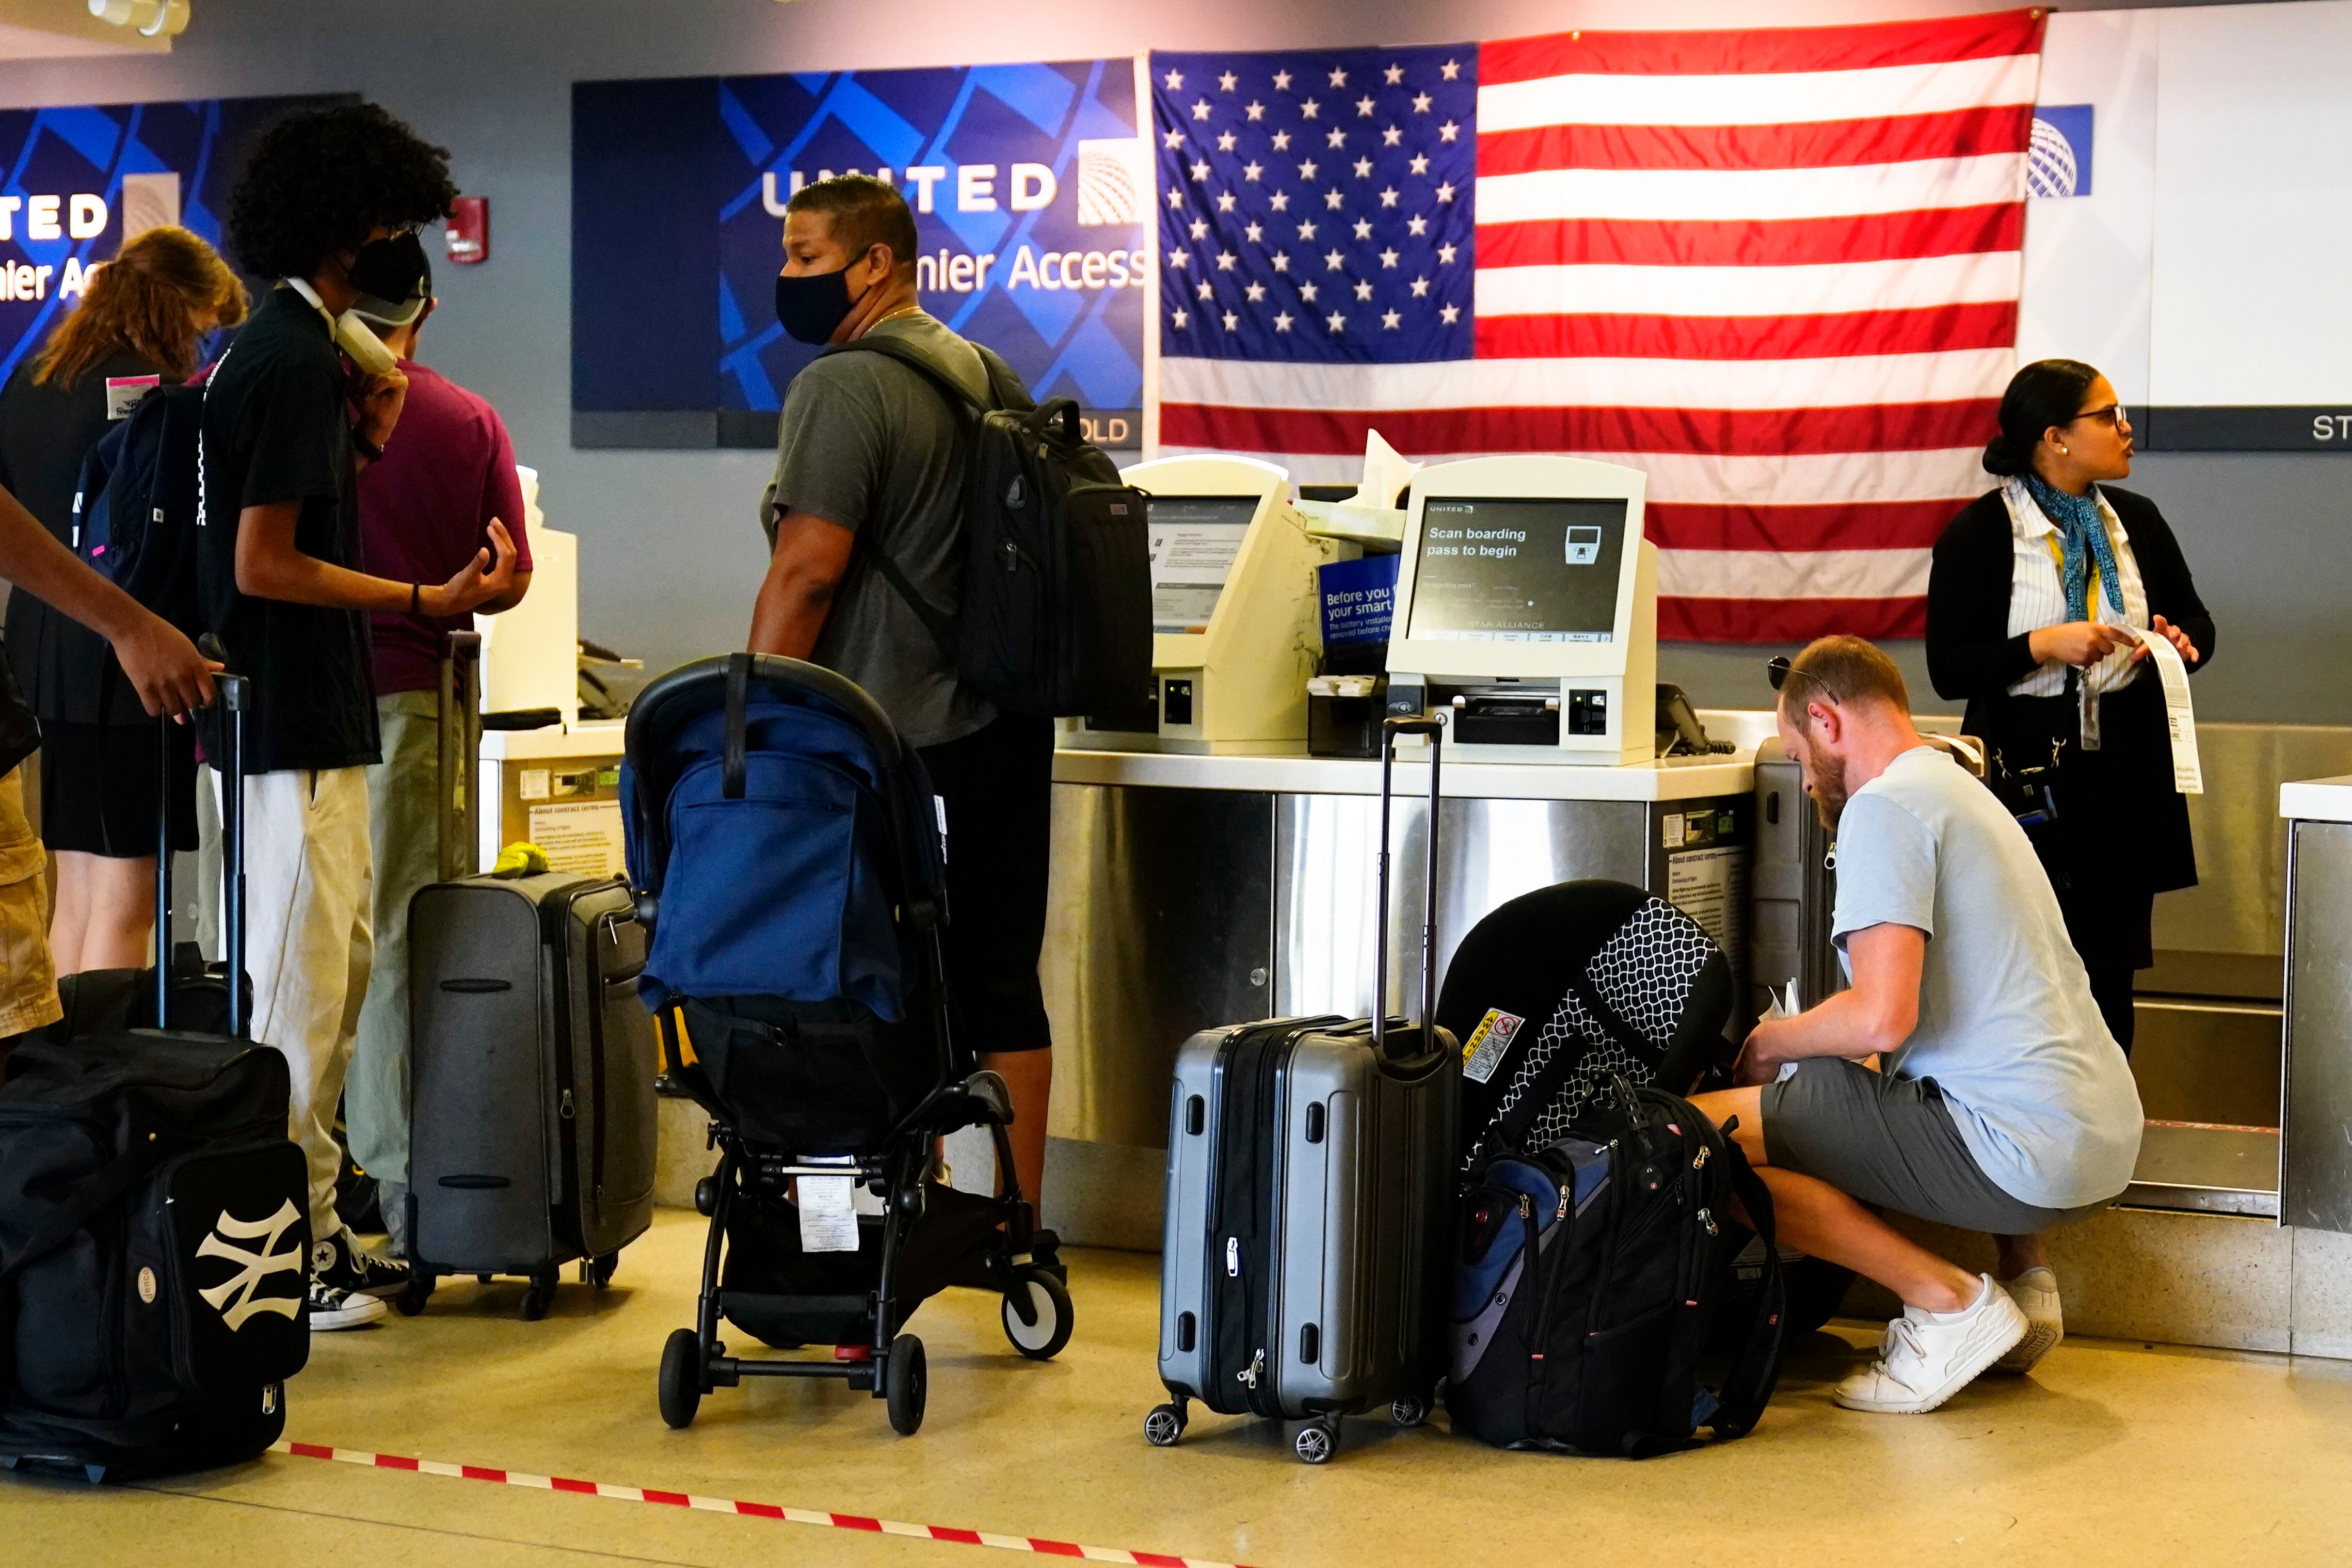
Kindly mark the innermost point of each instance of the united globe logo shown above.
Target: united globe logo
(2058, 154)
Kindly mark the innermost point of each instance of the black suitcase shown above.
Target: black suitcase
(531, 1112)
(154, 1229)
(1309, 1165)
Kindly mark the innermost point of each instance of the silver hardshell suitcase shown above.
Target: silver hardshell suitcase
(1309, 1163)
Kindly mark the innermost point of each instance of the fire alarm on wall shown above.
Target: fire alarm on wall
(469, 230)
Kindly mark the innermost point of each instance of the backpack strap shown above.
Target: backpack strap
(1513, 1124)
(1747, 1386)
(739, 696)
(968, 411)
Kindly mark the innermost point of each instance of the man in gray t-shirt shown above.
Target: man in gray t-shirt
(1966, 1076)
(870, 466)
(868, 445)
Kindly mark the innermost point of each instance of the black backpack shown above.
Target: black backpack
(154, 1252)
(1589, 1279)
(136, 507)
(1055, 617)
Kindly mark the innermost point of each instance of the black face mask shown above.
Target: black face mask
(392, 269)
(810, 307)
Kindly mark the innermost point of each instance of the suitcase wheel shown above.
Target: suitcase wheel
(1036, 1312)
(415, 1293)
(541, 1295)
(1410, 1410)
(906, 1384)
(1164, 1426)
(1317, 1442)
(600, 1270)
(681, 1379)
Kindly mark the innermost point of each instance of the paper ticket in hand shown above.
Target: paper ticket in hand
(2179, 718)
(1781, 1008)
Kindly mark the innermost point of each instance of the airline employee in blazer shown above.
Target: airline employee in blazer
(2033, 588)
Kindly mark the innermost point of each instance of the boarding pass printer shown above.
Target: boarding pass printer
(1236, 612)
(1526, 611)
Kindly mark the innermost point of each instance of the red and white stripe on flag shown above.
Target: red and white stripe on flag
(1778, 269)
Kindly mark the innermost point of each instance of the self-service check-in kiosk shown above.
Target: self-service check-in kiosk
(1528, 611)
(1234, 612)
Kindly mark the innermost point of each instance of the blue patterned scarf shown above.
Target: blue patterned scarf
(2082, 539)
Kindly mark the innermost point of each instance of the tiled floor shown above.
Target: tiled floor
(2111, 1454)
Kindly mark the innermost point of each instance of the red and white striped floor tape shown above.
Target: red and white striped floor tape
(744, 1510)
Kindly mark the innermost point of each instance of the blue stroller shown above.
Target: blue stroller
(786, 855)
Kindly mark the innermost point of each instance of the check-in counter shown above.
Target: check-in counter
(559, 786)
(1192, 890)
(2315, 1131)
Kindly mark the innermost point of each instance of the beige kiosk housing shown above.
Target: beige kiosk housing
(1526, 611)
(1236, 613)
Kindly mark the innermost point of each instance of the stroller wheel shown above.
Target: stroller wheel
(681, 1378)
(905, 1386)
(1037, 1318)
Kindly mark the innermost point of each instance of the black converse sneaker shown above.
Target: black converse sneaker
(340, 1263)
(332, 1308)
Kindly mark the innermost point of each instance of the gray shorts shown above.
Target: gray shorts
(1891, 1141)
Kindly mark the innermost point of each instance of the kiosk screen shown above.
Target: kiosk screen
(1194, 540)
(1532, 569)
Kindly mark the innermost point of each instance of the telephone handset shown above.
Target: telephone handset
(365, 349)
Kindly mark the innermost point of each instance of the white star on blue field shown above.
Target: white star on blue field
(1317, 207)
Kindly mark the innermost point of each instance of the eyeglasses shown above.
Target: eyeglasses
(2113, 416)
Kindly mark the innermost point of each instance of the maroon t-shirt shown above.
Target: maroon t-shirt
(427, 507)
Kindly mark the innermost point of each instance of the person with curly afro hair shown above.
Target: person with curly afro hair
(329, 205)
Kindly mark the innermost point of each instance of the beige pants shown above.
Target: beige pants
(309, 896)
(404, 796)
(28, 982)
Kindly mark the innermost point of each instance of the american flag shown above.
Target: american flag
(1775, 268)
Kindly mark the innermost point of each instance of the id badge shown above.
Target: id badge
(2087, 700)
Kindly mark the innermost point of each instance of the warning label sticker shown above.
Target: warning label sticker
(1483, 1051)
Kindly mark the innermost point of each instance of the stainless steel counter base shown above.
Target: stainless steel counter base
(1172, 909)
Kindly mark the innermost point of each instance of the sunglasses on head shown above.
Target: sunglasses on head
(1780, 671)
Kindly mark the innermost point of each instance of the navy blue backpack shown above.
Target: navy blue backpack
(785, 847)
(137, 509)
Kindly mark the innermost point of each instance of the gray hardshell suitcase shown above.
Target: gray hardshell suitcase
(1795, 883)
(532, 1123)
(1308, 1193)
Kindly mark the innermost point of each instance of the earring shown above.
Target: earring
(2066, 451)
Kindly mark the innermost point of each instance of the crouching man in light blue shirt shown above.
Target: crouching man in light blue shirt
(2002, 1103)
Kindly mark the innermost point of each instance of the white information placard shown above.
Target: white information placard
(583, 838)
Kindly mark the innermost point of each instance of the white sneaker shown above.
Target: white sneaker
(2035, 1291)
(1927, 1357)
(332, 1307)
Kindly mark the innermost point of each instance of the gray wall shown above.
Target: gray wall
(670, 555)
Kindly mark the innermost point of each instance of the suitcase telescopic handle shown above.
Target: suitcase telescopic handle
(1435, 729)
(231, 695)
